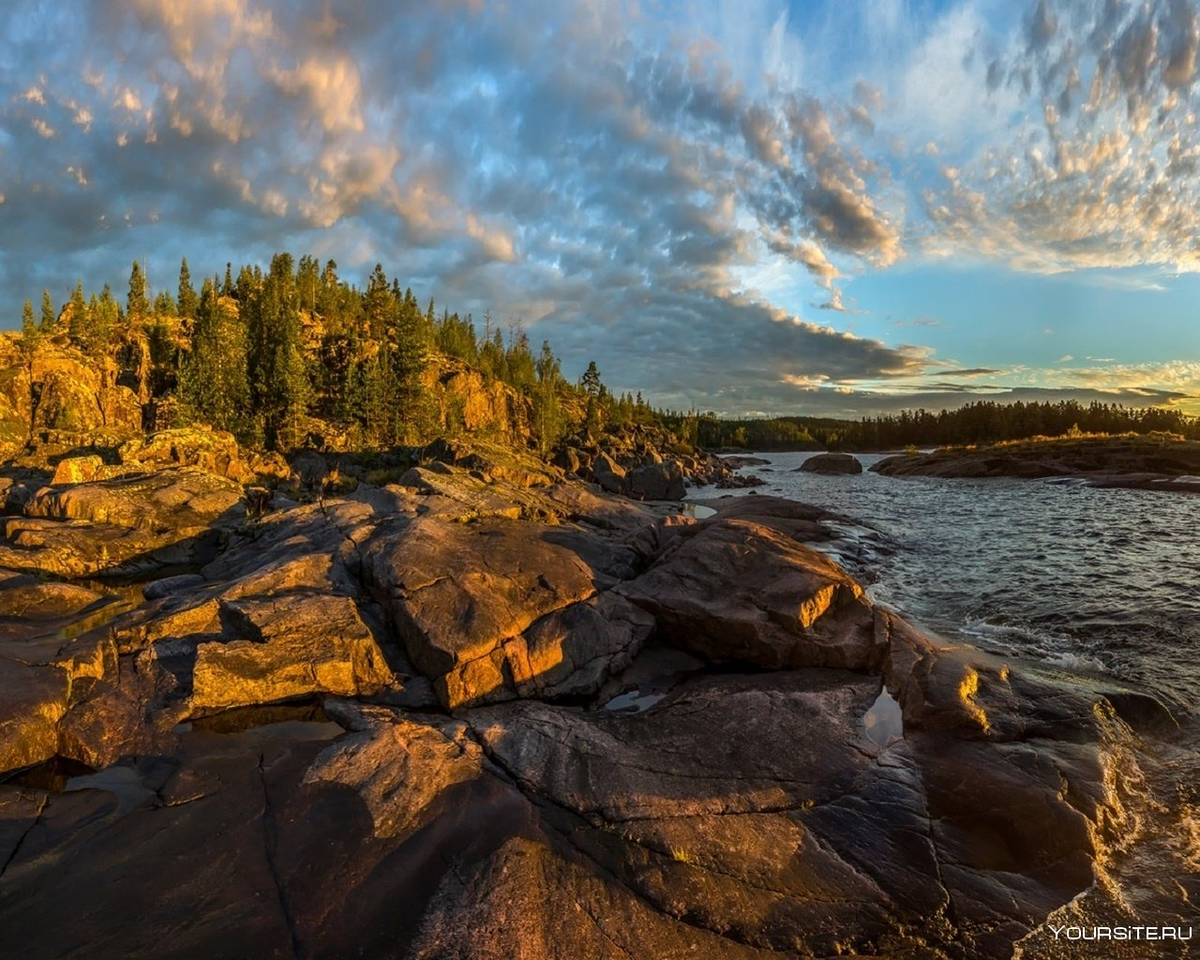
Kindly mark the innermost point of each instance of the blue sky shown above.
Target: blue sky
(756, 207)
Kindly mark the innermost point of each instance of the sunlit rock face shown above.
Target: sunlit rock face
(408, 722)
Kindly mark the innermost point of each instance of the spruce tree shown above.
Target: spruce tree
(137, 305)
(29, 330)
(213, 381)
(187, 293)
(49, 317)
(548, 419)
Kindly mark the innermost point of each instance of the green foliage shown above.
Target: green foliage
(187, 301)
(271, 356)
(548, 419)
(137, 305)
(49, 317)
(213, 378)
(991, 422)
(29, 330)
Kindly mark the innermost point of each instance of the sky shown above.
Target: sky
(756, 207)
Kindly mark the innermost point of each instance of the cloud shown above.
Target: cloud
(660, 195)
(610, 178)
(1099, 170)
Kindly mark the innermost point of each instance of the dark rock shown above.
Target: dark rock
(656, 481)
(734, 590)
(609, 474)
(832, 463)
(471, 602)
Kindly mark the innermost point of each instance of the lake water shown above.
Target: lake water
(1105, 580)
(1086, 579)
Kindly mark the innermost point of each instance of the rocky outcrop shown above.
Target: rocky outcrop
(656, 481)
(1151, 462)
(129, 524)
(836, 463)
(738, 591)
(431, 694)
(213, 451)
(468, 403)
(295, 646)
(499, 609)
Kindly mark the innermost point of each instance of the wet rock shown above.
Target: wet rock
(735, 481)
(838, 463)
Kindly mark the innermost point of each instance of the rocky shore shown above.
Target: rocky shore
(1151, 462)
(487, 711)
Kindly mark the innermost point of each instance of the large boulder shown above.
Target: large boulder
(656, 481)
(496, 609)
(214, 451)
(844, 463)
(294, 646)
(609, 474)
(736, 590)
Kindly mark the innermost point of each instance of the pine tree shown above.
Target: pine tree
(29, 330)
(187, 293)
(548, 419)
(213, 381)
(137, 305)
(49, 317)
(77, 322)
(591, 380)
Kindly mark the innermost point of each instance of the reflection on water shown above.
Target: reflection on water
(883, 721)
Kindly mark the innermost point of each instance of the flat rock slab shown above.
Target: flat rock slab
(469, 602)
(170, 500)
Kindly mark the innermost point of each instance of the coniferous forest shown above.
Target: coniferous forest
(295, 356)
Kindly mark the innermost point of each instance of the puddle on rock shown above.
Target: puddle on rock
(122, 782)
(884, 721)
(52, 774)
(310, 714)
(633, 701)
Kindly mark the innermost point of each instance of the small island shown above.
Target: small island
(1153, 461)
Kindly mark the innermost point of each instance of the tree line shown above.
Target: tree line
(276, 357)
(987, 421)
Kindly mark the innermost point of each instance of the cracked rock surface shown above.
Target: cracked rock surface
(462, 719)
